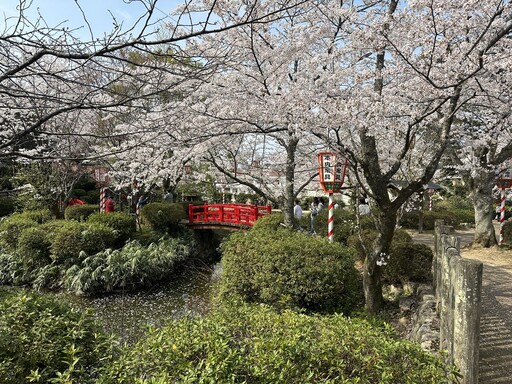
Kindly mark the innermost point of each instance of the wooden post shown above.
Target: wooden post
(467, 287)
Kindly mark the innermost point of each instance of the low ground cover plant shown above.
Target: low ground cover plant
(44, 340)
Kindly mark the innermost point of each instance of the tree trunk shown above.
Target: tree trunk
(289, 197)
(377, 258)
(372, 286)
(481, 196)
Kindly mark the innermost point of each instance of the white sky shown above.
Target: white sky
(66, 13)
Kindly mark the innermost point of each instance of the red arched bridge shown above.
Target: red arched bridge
(225, 216)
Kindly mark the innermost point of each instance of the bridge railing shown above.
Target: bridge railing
(237, 214)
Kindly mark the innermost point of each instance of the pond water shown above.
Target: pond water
(127, 315)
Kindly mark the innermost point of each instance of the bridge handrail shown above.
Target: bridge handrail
(240, 214)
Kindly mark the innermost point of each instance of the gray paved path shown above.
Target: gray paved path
(495, 365)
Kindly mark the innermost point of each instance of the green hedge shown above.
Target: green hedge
(164, 217)
(40, 216)
(11, 228)
(452, 217)
(44, 340)
(253, 344)
(287, 268)
(80, 212)
(121, 222)
(408, 262)
(34, 247)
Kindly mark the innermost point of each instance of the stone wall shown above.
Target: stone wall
(457, 285)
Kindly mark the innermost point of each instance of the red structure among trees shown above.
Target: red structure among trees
(231, 216)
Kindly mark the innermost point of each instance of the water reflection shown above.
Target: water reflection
(127, 315)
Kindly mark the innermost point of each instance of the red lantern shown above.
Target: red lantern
(332, 169)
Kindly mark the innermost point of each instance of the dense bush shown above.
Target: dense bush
(368, 236)
(269, 223)
(6, 206)
(10, 229)
(287, 268)
(256, 345)
(344, 224)
(408, 262)
(163, 217)
(67, 243)
(130, 267)
(80, 212)
(40, 216)
(97, 237)
(121, 222)
(452, 216)
(43, 340)
(34, 247)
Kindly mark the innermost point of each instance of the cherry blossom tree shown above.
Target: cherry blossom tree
(48, 67)
(482, 144)
(406, 71)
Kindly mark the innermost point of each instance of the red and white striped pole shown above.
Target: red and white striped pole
(102, 199)
(330, 222)
(137, 216)
(502, 215)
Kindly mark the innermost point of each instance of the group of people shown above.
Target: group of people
(316, 207)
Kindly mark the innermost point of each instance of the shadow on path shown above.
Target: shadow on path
(495, 363)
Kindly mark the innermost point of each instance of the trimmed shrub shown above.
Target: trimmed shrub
(133, 266)
(44, 340)
(11, 227)
(97, 237)
(40, 216)
(163, 217)
(253, 344)
(121, 222)
(344, 224)
(67, 243)
(452, 217)
(289, 269)
(80, 212)
(34, 247)
(269, 223)
(408, 262)
(12, 270)
(6, 206)
(368, 236)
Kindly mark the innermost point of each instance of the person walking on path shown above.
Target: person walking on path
(297, 210)
(320, 204)
(297, 213)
